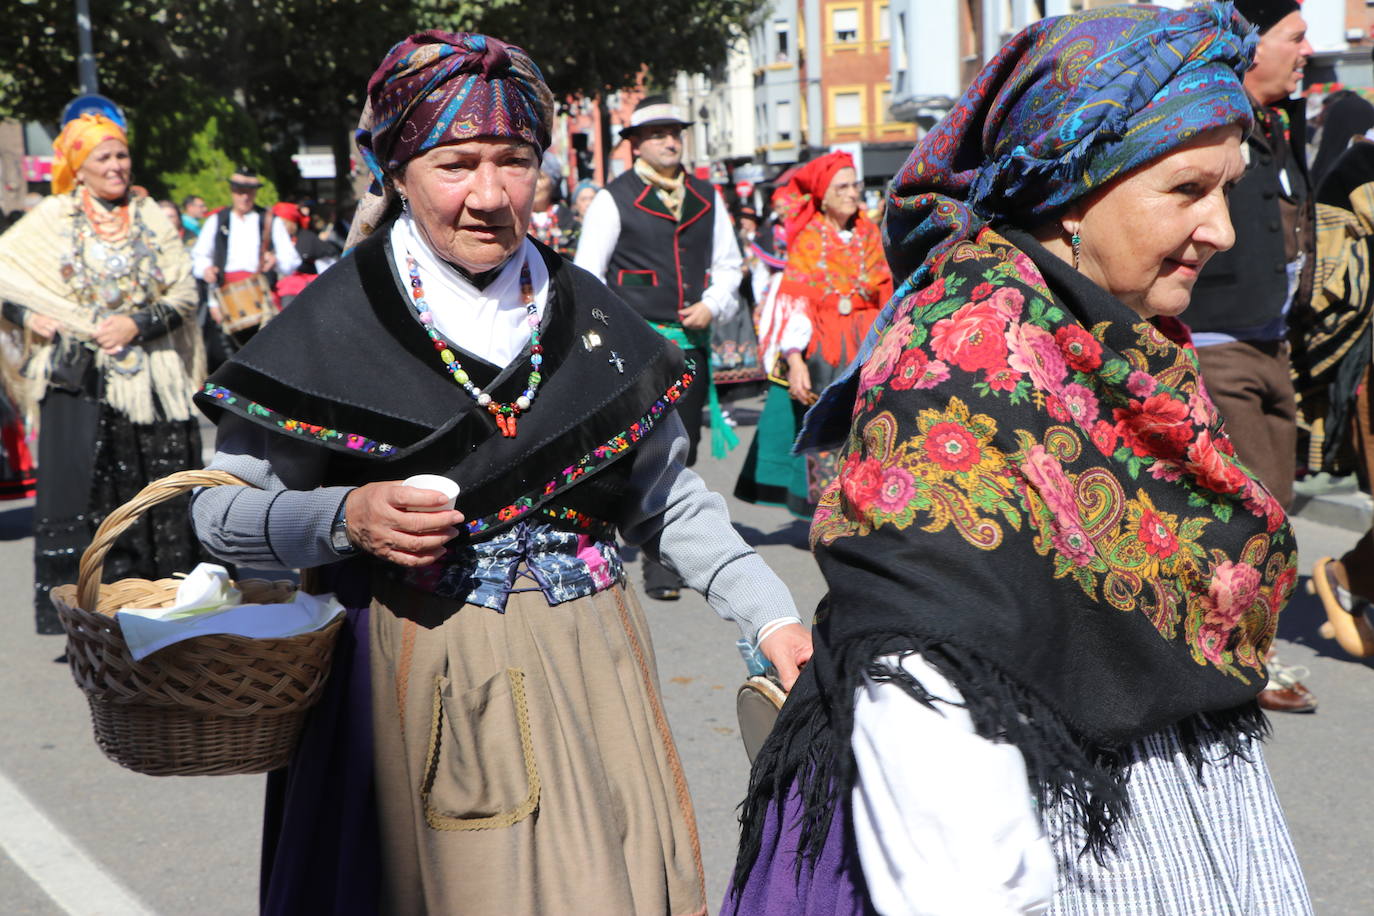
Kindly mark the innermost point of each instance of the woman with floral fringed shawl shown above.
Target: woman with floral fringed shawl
(1051, 584)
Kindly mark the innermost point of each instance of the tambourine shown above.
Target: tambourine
(758, 701)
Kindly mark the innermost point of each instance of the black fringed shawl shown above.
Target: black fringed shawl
(348, 368)
(1038, 498)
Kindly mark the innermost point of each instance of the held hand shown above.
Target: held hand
(211, 275)
(381, 522)
(215, 314)
(789, 649)
(695, 317)
(42, 326)
(269, 261)
(799, 380)
(115, 333)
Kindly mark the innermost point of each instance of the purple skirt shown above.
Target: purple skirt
(320, 843)
(832, 885)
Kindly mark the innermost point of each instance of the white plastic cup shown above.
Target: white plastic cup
(434, 482)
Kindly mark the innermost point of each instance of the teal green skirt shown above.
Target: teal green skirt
(772, 475)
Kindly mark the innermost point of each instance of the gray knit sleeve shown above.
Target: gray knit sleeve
(672, 514)
(284, 519)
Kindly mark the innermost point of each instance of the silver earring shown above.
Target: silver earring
(1077, 244)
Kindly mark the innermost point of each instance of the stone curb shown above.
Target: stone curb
(1352, 511)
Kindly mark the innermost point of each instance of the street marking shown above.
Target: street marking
(63, 870)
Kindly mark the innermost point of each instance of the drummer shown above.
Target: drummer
(231, 245)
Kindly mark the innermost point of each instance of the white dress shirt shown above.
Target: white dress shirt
(601, 233)
(490, 323)
(944, 820)
(245, 242)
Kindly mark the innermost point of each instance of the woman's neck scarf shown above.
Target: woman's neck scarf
(436, 88)
(1035, 493)
(79, 137)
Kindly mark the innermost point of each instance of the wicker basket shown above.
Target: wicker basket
(210, 705)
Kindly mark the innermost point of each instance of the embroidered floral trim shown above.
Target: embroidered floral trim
(305, 430)
(580, 520)
(525, 505)
(598, 458)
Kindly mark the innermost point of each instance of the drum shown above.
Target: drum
(757, 704)
(244, 304)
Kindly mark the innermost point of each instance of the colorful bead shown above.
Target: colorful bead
(505, 414)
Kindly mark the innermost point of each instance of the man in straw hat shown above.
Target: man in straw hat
(661, 239)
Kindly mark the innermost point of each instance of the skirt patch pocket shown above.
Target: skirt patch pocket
(480, 771)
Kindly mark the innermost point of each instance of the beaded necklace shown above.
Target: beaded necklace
(845, 304)
(505, 414)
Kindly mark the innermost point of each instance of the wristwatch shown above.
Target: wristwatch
(338, 533)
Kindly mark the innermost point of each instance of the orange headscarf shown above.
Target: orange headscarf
(74, 144)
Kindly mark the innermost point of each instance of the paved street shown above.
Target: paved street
(189, 846)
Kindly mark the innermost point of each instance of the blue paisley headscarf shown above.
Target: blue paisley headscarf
(1069, 105)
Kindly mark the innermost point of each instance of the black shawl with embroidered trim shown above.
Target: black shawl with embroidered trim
(349, 368)
(1038, 497)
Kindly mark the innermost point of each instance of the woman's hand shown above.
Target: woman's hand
(799, 379)
(115, 333)
(381, 522)
(789, 649)
(42, 326)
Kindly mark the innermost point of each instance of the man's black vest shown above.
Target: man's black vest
(661, 264)
(1247, 286)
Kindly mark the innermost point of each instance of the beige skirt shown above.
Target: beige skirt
(524, 763)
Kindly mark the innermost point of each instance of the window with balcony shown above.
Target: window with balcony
(844, 25)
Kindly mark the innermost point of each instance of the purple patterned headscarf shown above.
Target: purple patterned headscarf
(1066, 107)
(440, 87)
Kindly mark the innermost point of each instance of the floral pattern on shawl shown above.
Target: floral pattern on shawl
(986, 408)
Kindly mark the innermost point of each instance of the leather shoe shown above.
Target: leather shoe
(1293, 698)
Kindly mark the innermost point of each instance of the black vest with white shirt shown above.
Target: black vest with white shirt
(660, 264)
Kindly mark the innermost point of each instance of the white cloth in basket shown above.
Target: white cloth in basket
(208, 604)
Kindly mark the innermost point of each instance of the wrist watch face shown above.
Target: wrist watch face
(338, 537)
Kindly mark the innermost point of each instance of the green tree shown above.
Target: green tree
(292, 64)
(593, 47)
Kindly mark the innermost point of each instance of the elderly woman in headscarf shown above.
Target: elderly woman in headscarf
(495, 698)
(1051, 584)
(811, 325)
(100, 284)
